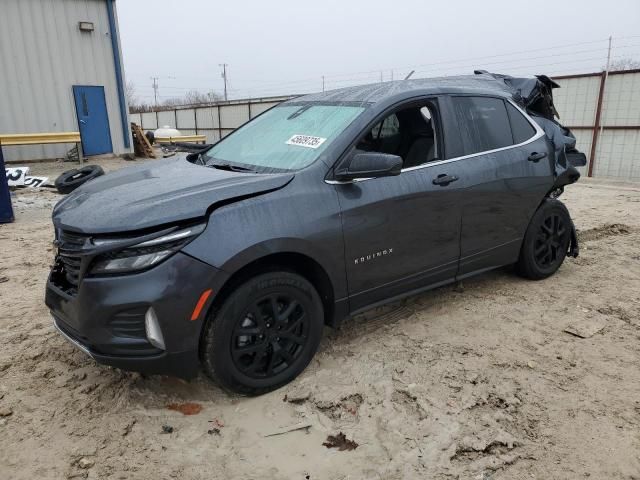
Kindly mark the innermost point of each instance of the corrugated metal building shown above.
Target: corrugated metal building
(61, 70)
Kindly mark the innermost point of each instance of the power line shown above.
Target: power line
(429, 69)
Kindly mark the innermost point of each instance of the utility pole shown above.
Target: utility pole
(323, 83)
(604, 82)
(224, 76)
(381, 79)
(392, 74)
(155, 90)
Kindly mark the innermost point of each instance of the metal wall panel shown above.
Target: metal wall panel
(167, 118)
(212, 135)
(43, 55)
(621, 103)
(207, 117)
(232, 116)
(576, 100)
(617, 155)
(258, 108)
(583, 143)
(186, 119)
(135, 118)
(149, 121)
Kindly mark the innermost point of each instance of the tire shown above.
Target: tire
(68, 181)
(245, 350)
(546, 241)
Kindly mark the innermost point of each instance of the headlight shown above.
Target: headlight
(145, 254)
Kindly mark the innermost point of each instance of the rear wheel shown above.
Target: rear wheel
(264, 334)
(546, 242)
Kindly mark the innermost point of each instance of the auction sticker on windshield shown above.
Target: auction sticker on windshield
(306, 141)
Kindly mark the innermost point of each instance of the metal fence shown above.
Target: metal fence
(213, 121)
(603, 111)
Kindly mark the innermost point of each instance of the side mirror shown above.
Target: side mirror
(370, 165)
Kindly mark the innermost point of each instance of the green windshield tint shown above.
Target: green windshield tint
(287, 137)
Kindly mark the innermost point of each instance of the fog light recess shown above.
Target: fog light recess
(152, 327)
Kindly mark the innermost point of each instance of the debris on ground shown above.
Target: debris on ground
(86, 463)
(294, 428)
(128, 427)
(167, 429)
(218, 423)
(341, 442)
(586, 327)
(5, 412)
(188, 408)
(213, 431)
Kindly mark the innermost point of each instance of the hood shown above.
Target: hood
(156, 193)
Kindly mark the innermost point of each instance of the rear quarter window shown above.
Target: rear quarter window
(520, 126)
(483, 123)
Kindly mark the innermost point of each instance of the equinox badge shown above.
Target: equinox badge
(367, 258)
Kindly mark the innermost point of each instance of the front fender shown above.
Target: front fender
(306, 222)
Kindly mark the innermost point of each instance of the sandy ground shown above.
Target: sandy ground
(474, 381)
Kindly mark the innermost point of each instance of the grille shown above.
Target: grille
(69, 263)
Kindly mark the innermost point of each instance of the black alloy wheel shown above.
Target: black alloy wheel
(550, 241)
(263, 334)
(269, 336)
(546, 241)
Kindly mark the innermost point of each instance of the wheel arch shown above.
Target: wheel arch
(290, 261)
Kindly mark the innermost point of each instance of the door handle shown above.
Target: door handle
(535, 156)
(443, 179)
(82, 121)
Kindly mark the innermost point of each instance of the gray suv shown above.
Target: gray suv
(234, 258)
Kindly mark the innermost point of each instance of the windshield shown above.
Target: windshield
(287, 137)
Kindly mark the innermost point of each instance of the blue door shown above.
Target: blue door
(93, 120)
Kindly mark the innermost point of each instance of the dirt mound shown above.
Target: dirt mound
(604, 231)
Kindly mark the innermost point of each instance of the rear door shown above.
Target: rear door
(93, 121)
(507, 170)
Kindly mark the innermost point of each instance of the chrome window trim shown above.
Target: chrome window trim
(539, 133)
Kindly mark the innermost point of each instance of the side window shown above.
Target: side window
(483, 123)
(409, 133)
(388, 128)
(520, 127)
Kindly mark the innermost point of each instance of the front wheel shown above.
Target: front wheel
(546, 242)
(264, 334)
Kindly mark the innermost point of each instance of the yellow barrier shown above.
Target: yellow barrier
(9, 139)
(38, 138)
(182, 138)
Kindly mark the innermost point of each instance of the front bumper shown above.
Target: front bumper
(105, 316)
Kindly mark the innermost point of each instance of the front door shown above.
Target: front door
(93, 121)
(402, 233)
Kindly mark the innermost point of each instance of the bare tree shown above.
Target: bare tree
(624, 63)
(130, 93)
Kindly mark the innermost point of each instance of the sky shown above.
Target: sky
(282, 47)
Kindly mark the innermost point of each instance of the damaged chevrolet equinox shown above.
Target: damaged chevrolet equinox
(234, 258)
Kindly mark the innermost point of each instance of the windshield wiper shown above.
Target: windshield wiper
(229, 167)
